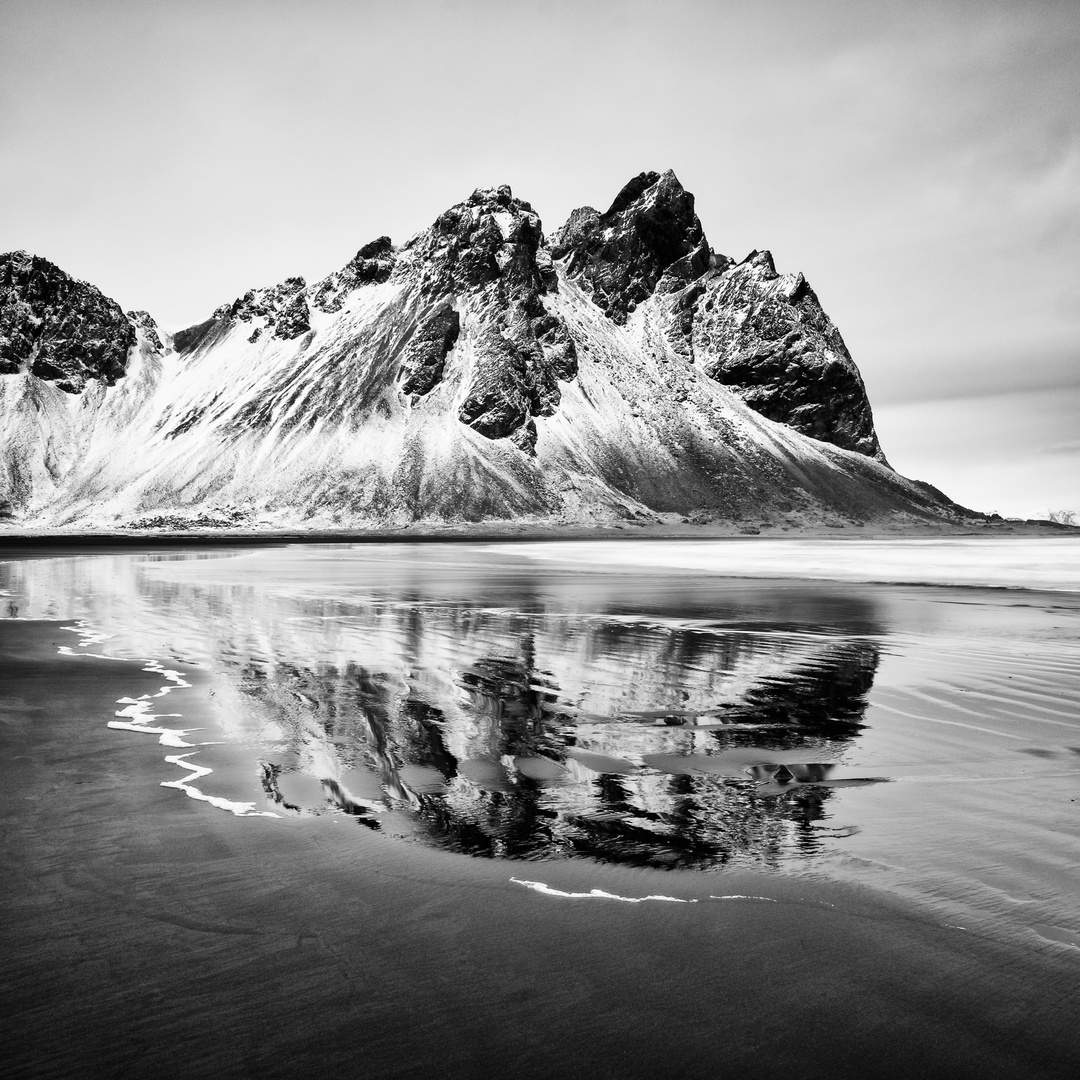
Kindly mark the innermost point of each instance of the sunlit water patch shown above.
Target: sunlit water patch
(1050, 563)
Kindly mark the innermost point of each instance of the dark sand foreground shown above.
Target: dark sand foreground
(147, 934)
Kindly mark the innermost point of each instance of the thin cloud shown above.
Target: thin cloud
(1063, 448)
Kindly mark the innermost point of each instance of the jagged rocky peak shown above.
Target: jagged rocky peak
(765, 335)
(371, 265)
(489, 239)
(649, 233)
(761, 333)
(484, 257)
(462, 375)
(144, 321)
(58, 328)
(482, 274)
(281, 309)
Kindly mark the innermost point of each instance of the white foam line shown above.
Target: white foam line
(196, 771)
(137, 716)
(140, 716)
(594, 894)
(739, 896)
(168, 736)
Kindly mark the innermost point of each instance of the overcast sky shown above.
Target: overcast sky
(920, 163)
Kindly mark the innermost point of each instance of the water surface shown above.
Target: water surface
(632, 703)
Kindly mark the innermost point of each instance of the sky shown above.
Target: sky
(918, 162)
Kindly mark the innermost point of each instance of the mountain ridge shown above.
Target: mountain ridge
(480, 371)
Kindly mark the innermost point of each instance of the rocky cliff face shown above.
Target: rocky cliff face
(370, 266)
(760, 333)
(489, 249)
(622, 369)
(648, 236)
(766, 336)
(60, 330)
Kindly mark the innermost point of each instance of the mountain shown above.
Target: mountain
(617, 369)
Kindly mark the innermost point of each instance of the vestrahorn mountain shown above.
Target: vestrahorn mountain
(616, 369)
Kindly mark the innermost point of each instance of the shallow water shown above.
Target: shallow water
(631, 703)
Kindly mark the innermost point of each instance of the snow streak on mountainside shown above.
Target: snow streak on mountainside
(621, 369)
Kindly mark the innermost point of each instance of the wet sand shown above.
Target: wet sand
(144, 933)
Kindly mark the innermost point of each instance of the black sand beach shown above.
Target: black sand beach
(145, 933)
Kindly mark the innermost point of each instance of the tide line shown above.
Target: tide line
(595, 894)
(740, 896)
(196, 771)
(137, 715)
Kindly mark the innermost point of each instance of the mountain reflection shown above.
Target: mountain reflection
(480, 704)
(534, 736)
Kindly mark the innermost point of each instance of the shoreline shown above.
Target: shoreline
(17, 542)
(145, 931)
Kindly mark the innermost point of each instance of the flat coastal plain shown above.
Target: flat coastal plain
(147, 933)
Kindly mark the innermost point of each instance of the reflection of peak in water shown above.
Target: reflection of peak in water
(526, 735)
(497, 710)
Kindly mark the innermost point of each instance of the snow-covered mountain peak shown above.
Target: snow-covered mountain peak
(490, 237)
(281, 309)
(649, 231)
(371, 265)
(477, 371)
(758, 263)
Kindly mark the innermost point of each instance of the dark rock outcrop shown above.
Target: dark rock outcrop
(766, 336)
(760, 333)
(648, 233)
(498, 399)
(145, 322)
(201, 334)
(424, 358)
(58, 328)
(490, 239)
(294, 319)
(280, 308)
(488, 248)
(371, 265)
(283, 310)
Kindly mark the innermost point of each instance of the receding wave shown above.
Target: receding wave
(139, 717)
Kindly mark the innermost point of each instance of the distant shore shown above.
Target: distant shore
(18, 541)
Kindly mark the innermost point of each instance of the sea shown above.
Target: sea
(899, 714)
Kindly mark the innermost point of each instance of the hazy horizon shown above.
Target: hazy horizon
(921, 165)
